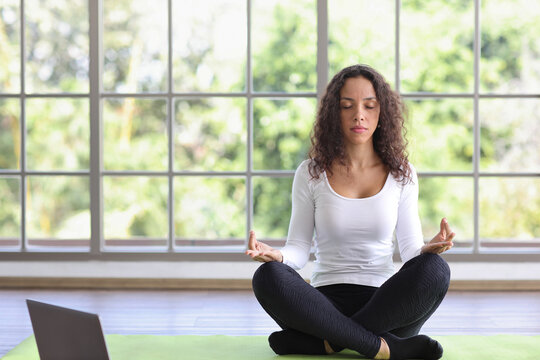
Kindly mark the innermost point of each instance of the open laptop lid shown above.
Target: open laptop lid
(63, 333)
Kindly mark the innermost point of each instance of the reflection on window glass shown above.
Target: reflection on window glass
(10, 212)
(10, 134)
(448, 197)
(272, 207)
(135, 45)
(210, 134)
(209, 208)
(362, 32)
(440, 134)
(284, 42)
(58, 211)
(10, 48)
(509, 209)
(509, 135)
(510, 54)
(135, 132)
(135, 211)
(281, 132)
(436, 46)
(57, 46)
(58, 134)
(209, 45)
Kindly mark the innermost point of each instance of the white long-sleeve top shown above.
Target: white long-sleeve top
(353, 237)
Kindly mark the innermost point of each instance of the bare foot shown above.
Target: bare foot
(384, 351)
(328, 348)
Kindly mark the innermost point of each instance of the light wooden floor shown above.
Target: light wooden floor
(238, 313)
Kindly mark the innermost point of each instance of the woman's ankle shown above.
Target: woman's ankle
(384, 351)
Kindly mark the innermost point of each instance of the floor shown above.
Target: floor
(238, 313)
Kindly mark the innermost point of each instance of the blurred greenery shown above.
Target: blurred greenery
(135, 134)
(210, 133)
(57, 45)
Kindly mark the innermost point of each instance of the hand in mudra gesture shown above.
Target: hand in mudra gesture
(262, 252)
(442, 241)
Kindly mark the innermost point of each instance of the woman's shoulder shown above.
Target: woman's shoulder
(304, 172)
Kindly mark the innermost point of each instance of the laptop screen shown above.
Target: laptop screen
(63, 333)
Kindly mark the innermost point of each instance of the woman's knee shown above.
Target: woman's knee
(266, 275)
(436, 268)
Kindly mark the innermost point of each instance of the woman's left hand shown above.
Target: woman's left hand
(442, 241)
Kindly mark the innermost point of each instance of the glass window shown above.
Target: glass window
(510, 56)
(210, 134)
(510, 212)
(362, 32)
(58, 212)
(135, 134)
(57, 46)
(10, 134)
(509, 135)
(10, 213)
(284, 42)
(209, 211)
(135, 211)
(281, 132)
(440, 134)
(134, 46)
(58, 134)
(436, 46)
(209, 45)
(10, 46)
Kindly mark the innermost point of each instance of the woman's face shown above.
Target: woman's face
(359, 111)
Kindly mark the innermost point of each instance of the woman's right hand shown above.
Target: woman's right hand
(259, 251)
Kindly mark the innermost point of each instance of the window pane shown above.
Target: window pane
(510, 54)
(135, 132)
(58, 211)
(510, 212)
(440, 134)
(373, 42)
(57, 46)
(10, 46)
(284, 42)
(135, 45)
(272, 208)
(210, 134)
(135, 211)
(58, 134)
(10, 212)
(209, 209)
(449, 197)
(281, 132)
(436, 46)
(10, 134)
(209, 42)
(509, 135)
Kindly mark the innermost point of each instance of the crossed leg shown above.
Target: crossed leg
(400, 306)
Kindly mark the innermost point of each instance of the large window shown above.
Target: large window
(173, 126)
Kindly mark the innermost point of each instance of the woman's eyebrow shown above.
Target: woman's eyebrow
(351, 99)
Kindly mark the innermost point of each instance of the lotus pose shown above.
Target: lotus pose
(356, 190)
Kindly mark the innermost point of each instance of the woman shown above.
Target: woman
(355, 191)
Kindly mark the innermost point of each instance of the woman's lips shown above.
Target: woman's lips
(358, 130)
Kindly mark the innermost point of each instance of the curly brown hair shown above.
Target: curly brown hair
(389, 141)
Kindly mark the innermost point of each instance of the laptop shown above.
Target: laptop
(63, 333)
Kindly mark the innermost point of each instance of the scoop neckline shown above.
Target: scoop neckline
(364, 198)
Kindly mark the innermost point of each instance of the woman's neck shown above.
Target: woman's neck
(361, 156)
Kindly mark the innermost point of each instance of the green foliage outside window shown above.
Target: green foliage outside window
(210, 133)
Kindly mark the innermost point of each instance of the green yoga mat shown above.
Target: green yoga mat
(221, 347)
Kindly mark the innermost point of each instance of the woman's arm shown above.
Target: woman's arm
(296, 251)
(409, 229)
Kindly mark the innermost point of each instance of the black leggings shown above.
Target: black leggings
(346, 315)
